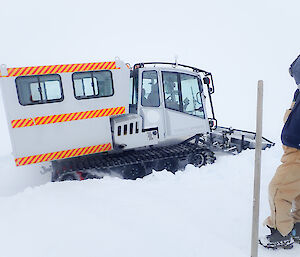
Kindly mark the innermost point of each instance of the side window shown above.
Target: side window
(133, 87)
(92, 84)
(171, 90)
(150, 91)
(39, 89)
(191, 98)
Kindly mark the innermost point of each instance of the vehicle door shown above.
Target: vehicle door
(150, 104)
(184, 109)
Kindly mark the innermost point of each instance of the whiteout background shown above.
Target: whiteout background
(240, 42)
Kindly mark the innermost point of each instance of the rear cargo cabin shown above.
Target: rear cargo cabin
(63, 111)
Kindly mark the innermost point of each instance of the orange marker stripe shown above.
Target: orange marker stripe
(21, 122)
(114, 66)
(94, 66)
(120, 111)
(101, 66)
(35, 159)
(105, 65)
(40, 69)
(97, 66)
(83, 67)
(111, 65)
(89, 66)
(23, 161)
(29, 70)
(52, 67)
(97, 114)
(94, 149)
(64, 117)
(74, 67)
(14, 72)
(91, 114)
(25, 71)
(44, 70)
(55, 70)
(76, 115)
(87, 114)
(29, 123)
(51, 119)
(70, 117)
(62, 68)
(76, 152)
(37, 70)
(42, 120)
(13, 123)
(33, 70)
(68, 67)
(104, 149)
(43, 157)
(88, 150)
(37, 120)
(20, 71)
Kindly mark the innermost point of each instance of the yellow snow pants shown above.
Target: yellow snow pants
(284, 193)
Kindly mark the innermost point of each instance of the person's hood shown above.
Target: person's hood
(295, 70)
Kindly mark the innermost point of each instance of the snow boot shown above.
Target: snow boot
(296, 232)
(275, 240)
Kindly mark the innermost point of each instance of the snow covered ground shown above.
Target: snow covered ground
(196, 212)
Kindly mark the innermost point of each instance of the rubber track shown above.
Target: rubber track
(148, 157)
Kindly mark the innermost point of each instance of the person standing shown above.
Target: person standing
(284, 188)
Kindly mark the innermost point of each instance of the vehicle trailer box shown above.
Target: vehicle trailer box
(62, 111)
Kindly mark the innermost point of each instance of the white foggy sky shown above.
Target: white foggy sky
(239, 41)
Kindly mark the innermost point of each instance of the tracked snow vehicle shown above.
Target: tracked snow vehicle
(91, 119)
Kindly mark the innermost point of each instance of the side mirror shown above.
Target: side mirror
(206, 80)
(210, 86)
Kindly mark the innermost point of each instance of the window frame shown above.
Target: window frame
(159, 101)
(180, 92)
(93, 96)
(38, 81)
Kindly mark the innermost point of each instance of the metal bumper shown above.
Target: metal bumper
(235, 140)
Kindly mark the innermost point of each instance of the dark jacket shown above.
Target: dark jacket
(290, 135)
(295, 70)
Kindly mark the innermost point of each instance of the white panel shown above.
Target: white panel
(181, 124)
(61, 136)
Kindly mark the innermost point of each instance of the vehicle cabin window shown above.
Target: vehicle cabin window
(150, 91)
(39, 89)
(171, 90)
(191, 98)
(182, 93)
(92, 84)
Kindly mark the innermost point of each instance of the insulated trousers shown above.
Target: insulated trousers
(284, 193)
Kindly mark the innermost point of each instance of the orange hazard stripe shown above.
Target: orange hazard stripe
(43, 120)
(40, 70)
(62, 154)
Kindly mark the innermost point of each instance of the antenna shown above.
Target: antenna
(176, 60)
